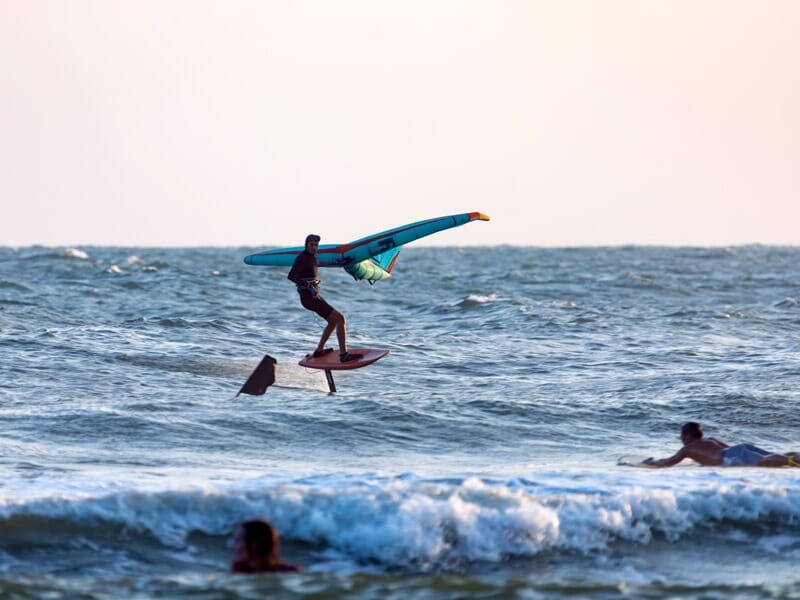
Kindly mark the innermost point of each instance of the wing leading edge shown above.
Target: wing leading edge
(372, 257)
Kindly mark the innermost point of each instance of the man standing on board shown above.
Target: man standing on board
(304, 276)
(714, 453)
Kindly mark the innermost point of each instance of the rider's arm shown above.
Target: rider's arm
(666, 462)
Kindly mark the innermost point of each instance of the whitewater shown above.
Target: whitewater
(478, 459)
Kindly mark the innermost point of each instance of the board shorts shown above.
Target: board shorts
(316, 303)
(743, 455)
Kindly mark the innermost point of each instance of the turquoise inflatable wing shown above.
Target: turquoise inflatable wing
(371, 257)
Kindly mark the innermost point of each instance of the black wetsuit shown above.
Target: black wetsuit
(304, 276)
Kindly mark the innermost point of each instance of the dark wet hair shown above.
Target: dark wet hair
(312, 237)
(261, 536)
(692, 429)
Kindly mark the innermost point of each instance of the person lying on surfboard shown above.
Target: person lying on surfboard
(713, 452)
(304, 275)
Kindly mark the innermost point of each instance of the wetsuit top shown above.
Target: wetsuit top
(304, 273)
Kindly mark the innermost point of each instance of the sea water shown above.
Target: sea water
(479, 459)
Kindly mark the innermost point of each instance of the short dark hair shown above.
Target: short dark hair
(692, 429)
(262, 535)
(312, 237)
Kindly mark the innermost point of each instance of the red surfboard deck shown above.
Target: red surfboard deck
(330, 361)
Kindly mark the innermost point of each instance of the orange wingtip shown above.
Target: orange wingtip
(478, 216)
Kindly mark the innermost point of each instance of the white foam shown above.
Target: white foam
(407, 520)
(481, 299)
(475, 300)
(76, 253)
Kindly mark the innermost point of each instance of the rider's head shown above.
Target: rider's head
(312, 238)
(691, 431)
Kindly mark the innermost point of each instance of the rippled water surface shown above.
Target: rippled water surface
(479, 459)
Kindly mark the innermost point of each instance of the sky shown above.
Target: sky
(253, 123)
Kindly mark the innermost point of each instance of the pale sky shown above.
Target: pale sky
(199, 122)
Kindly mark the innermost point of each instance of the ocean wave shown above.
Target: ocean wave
(35, 253)
(73, 253)
(406, 520)
(334, 586)
(14, 286)
(550, 368)
(476, 300)
(175, 322)
(629, 278)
